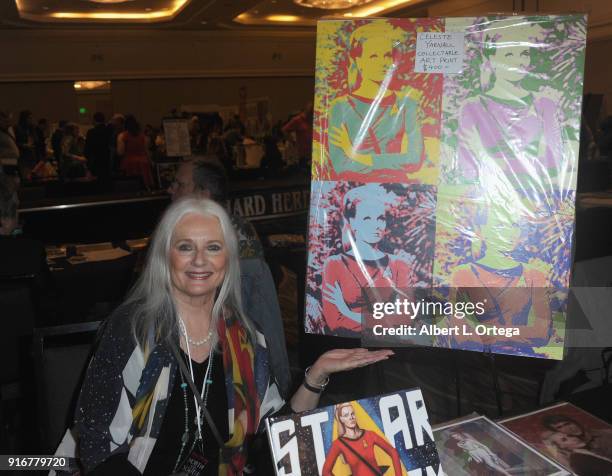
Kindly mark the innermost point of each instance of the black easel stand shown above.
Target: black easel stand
(498, 398)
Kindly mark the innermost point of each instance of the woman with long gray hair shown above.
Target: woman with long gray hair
(180, 381)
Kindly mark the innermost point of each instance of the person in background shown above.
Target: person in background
(150, 134)
(56, 140)
(73, 163)
(301, 125)
(25, 137)
(41, 135)
(233, 136)
(116, 126)
(160, 142)
(272, 162)
(23, 257)
(97, 152)
(195, 135)
(132, 145)
(217, 147)
(205, 178)
(9, 152)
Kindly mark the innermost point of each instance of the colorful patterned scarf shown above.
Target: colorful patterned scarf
(239, 363)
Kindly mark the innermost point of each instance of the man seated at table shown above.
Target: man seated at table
(205, 177)
(22, 257)
(19, 256)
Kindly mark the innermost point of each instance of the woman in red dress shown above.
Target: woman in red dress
(357, 447)
(132, 145)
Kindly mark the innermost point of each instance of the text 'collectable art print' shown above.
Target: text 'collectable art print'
(388, 434)
(445, 155)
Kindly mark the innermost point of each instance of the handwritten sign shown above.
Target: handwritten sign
(439, 52)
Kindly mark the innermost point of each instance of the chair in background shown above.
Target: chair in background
(61, 354)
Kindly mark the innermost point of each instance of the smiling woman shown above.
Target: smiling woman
(180, 379)
(198, 257)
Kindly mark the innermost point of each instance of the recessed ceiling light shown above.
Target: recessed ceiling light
(45, 8)
(204, 22)
(148, 14)
(283, 18)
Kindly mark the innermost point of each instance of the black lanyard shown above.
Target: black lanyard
(203, 409)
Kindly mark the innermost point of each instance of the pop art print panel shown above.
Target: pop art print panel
(364, 236)
(511, 119)
(375, 119)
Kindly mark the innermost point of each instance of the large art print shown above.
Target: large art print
(569, 435)
(389, 435)
(461, 183)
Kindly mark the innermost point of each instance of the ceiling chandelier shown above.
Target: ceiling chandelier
(110, 1)
(331, 4)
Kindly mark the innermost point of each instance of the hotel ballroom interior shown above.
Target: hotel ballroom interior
(109, 108)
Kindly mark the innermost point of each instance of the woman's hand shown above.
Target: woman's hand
(339, 360)
(330, 362)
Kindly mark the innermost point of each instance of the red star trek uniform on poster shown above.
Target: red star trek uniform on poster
(359, 455)
(354, 276)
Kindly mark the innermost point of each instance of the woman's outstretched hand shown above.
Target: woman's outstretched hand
(339, 360)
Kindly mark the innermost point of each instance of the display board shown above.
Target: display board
(176, 133)
(389, 434)
(478, 446)
(569, 435)
(444, 159)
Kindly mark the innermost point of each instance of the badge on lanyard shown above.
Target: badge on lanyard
(195, 464)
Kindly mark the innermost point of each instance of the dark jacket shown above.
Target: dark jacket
(97, 150)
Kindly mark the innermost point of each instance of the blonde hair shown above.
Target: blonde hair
(337, 413)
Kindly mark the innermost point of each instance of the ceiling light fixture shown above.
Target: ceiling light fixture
(283, 18)
(376, 8)
(331, 4)
(92, 85)
(110, 1)
(126, 16)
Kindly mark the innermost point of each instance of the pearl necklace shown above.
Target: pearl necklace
(197, 343)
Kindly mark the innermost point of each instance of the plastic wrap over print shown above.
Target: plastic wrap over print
(513, 258)
(375, 119)
(365, 236)
(512, 118)
(498, 148)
